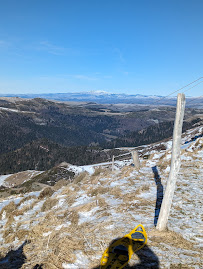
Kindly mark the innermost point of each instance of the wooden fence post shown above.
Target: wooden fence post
(136, 160)
(175, 164)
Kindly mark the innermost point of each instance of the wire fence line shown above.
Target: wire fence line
(192, 87)
(162, 98)
(186, 91)
(194, 99)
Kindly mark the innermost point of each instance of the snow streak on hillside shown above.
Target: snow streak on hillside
(70, 225)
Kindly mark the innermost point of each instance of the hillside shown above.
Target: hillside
(70, 224)
(39, 134)
(43, 154)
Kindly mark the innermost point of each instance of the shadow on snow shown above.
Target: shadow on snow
(159, 194)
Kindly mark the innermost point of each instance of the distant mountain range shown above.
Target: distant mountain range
(102, 97)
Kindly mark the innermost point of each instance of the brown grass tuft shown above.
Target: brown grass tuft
(48, 204)
(9, 239)
(127, 170)
(128, 197)
(8, 208)
(101, 202)
(8, 232)
(98, 171)
(116, 192)
(71, 198)
(10, 221)
(46, 192)
(21, 211)
(82, 176)
(98, 190)
(26, 199)
(22, 234)
(67, 190)
(169, 237)
(73, 217)
(61, 183)
(53, 255)
(142, 188)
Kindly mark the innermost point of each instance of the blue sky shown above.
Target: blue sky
(118, 46)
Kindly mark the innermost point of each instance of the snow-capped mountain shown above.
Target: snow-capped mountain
(103, 97)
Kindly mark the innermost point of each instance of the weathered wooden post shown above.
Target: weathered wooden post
(113, 163)
(136, 160)
(175, 164)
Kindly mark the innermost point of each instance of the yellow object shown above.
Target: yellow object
(120, 251)
(139, 237)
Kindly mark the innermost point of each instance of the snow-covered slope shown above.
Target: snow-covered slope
(70, 225)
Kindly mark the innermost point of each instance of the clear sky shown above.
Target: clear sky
(118, 46)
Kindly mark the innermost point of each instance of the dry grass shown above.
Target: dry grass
(22, 234)
(61, 183)
(8, 232)
(26, 208)
(9, 239)
(179, 266)
(26, 199)
(71, 198)
(46, 192)
(81, 177)
(10, 221)
(99, 174)
(45, 251)
(75, 187)
(73, 217)
(20, 177)
(98, 190)
(116, 192)
(67, 190)
(128, 197)
(199, 141)
(8, 208)
(101, 202)
(197, 165)
(131, 181)
(162, 165)
(142, 188)
(169, 237)
(87, 207)
(49, 204)
(21, 211)
(126, 171)
(58, 247)
(98, 171)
